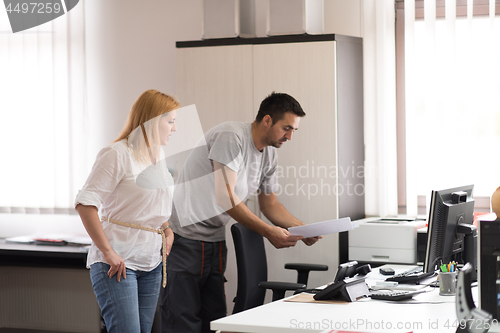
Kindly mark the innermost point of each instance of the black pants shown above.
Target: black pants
(194, 294)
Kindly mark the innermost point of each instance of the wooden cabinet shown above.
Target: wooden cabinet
(322, 167)
(218, 80)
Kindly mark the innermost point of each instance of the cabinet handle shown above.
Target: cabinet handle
(380, 258)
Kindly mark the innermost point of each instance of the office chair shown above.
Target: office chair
(251, 262)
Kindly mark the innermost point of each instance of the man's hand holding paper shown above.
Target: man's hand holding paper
(323, 228)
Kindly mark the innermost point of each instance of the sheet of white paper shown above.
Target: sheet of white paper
(21, 239)
(323, 228)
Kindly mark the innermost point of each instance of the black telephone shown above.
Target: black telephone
(330, 292)
(349, 283)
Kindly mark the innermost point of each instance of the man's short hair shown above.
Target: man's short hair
(276, 105)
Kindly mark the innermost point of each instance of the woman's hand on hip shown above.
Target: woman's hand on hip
(117, 265)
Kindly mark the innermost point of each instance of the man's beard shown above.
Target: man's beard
(279, 143)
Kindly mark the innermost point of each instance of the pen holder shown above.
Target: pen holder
(447, 283)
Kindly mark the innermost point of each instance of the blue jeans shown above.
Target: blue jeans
(128, 305)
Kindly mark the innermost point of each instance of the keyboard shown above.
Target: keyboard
(394, 295)
(414, 275)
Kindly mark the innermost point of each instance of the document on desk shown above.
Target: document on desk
(20, 239)
(323, 228)
(52, 239)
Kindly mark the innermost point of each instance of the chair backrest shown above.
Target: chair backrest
(252, 267)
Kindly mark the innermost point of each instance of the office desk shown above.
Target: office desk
(428, 312)
(31, 255)
(46, 287)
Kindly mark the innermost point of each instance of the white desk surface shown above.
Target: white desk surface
(4, 245)
(427, 312)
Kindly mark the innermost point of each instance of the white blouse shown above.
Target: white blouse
(123, 189)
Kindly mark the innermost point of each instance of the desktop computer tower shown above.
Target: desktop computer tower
(489, 267)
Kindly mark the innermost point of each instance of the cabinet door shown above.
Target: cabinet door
(306, 71)
(218, 80)
(308, 163)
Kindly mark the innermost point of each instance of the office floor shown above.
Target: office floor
(17, 330)
(154, 329)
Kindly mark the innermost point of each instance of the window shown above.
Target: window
(43, 114)
(451, 87)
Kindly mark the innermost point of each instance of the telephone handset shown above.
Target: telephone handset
(349, 283)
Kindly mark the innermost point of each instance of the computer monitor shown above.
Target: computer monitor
(450, 233)
(489, 265)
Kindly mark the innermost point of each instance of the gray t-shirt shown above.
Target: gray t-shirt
(196, 214)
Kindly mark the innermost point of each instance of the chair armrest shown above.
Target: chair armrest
(304, 269)
(274, 285)
(279, 288)
(307, 267)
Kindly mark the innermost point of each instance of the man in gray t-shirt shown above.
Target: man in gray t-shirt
(234, 161)
(198, 214)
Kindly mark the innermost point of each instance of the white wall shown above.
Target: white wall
(131, 48)
(13, 225)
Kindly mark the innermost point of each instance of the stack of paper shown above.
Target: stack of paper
(51, 239)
